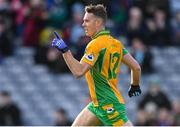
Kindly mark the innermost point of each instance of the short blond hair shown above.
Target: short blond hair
(98, 10)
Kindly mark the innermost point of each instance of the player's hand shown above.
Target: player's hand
(59, 43)
(134, 91)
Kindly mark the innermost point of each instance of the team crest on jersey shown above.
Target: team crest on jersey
(90, 57)
(110, 110)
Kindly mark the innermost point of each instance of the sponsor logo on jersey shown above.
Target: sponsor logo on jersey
(90, 57)
(110, 110)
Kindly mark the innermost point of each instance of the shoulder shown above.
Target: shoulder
(122, 47)
(94, 44)
(118, 44)
(91, 43)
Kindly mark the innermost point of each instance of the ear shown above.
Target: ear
(99, 22)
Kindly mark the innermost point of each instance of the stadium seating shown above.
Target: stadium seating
(39, 93)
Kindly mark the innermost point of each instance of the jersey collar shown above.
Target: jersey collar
(102, 32)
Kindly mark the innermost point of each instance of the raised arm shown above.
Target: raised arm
(77, 68)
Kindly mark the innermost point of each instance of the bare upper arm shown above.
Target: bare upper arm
(85, 68)
(129, 61)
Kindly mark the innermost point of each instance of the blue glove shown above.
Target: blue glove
(134, 91)
(59, 43)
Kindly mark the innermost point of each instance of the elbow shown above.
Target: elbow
(138, 68)
(78, 75)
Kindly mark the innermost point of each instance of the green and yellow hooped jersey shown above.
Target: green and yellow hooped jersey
(104, 54)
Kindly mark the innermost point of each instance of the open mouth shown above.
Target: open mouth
(85, 30)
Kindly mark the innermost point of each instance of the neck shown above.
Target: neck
(98, 30)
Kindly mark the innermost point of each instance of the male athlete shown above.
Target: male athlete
(101, 65)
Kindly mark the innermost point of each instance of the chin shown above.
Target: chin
(88, 35)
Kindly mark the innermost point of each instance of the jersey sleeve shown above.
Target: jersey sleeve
(125, 51)
(91, 54)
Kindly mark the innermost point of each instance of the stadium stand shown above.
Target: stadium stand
(39, 93)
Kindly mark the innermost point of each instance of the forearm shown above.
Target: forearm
(134, 89)
(73, 64)
(135, 76)
(135, 68)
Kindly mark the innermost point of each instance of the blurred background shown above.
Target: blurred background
(36, 87)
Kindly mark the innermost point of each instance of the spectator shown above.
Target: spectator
(116, 22)
(55, 61)
(176, 29)
(141, 118)
(164, 117)
(174, 6)
(57, 13)
(135, 26)
(76, 31)
(143, 55)
(49, 56)
(148, 115)
(163, 29)
(83, 41)
(35, 21)
(149, 6)
(155, 96)
(158, 30)
(150, 32)
(176, 113)
(6, 46)
(20, 9)
(4, 5)
(73, 31)
(151, 110)
(61, 118)
(6, 14)
(10, 114)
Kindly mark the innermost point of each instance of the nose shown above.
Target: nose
(83, 24)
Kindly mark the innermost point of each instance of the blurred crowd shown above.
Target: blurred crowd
(11, 113)
(139, 24)
(32, 22)
(156, 109)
